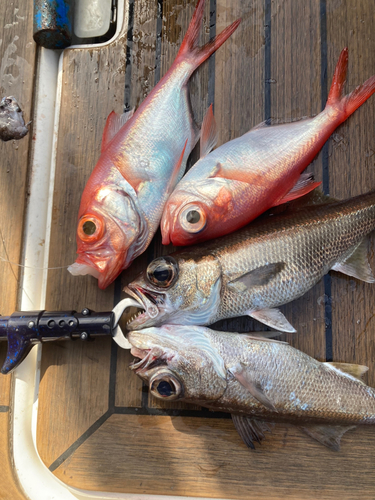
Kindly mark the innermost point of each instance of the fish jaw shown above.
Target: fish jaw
(193, 299)
(152, 303)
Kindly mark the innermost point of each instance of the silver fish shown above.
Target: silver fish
(253, 271)
(257, 380)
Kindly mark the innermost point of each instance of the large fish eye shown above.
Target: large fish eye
(193, 219)
(165, 386)
(162, 272)
(90, 228)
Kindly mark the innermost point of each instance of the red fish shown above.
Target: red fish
(142, 158)
(229, 187)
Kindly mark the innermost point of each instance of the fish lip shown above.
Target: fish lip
(147, 300)
(105, 273)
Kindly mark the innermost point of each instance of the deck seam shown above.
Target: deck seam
(327, 281)
(73, 447)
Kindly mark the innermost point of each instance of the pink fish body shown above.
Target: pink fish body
(230, 186)
(142, 158)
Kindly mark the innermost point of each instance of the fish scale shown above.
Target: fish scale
(143, 155)
(255, 379)
(232, 185)
(309, 243)
(262, 266)
(297, 384)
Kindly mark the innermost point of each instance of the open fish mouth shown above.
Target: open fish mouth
(146, 359)
(149, 302)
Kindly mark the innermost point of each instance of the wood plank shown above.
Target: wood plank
(17, 63)
(17, 56)
(9, 488)
(75, 388)
(128, 388)
(206, 458)
(351, 172)
(295, 92)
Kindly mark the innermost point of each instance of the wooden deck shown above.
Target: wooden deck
(98, 428)
(17, 63)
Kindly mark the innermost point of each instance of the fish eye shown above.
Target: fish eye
(90, 228)
(162, 272)
(193, 219)
(165, 386)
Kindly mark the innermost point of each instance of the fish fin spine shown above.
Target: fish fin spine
(304, 185)
(357, 265)
(209, 133)
(355, 99)
(113, 125)
(189, 47)
(356, 371)
(273, 318)
(250, 429)
(249, 380)
(328, 435)
(176, 172)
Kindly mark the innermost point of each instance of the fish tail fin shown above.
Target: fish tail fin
(189, 48)
(349, 103)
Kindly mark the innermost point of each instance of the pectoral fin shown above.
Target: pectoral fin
(112, 126)
(329, 435)
(272, 318)
(357, 264)
(176, 171)
(248, 379)
(209, 134)
(250, 430)
(257, 277)
(304, 185)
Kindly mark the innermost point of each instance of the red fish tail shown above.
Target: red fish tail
(349, 103)
(189, 48)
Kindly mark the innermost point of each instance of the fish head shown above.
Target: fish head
(108, 234)
(177, 289)
(196, 212)
(178, 362)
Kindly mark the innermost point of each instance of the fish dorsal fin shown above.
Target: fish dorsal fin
(273, 318)
(112, 126)
(304, 185)
(248, 379)
(209, 133)
(329, 435)
(270, 122)
(356, 371)
(259, 276)
(266, 336)
(357, 264)
(250, 429)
